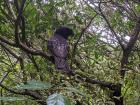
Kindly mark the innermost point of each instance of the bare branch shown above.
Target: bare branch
(9, 50)
(83, 31)
(92, 1)
(131, 14)
(110, 27)
(81, 34)
(7, 41)
(18, 20)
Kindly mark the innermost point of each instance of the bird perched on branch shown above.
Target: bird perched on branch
(58, 47)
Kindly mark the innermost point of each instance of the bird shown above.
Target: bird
(58, 47)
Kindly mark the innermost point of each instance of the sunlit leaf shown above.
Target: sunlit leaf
(34, 85)
(75, 91)
(12, 98)
(57, 99)
(78, 19)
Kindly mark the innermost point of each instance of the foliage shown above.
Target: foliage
(101, 27)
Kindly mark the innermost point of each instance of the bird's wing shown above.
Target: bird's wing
(58, 49)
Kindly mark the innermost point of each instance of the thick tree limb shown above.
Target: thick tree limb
(18, 21)
(126, 52)
(27, 49)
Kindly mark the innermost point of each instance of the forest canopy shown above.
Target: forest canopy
(104, 52)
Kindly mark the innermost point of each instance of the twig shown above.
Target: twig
(92, 1)
(35, 65)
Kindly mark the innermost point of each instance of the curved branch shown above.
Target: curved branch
(110, 27)
(133, 38)
(81, 34)
(83, 31)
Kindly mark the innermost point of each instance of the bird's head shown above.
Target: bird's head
(65, 32)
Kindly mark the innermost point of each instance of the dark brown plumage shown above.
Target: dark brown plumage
(58, 47)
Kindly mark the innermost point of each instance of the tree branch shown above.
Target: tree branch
(81, 34)
(126, 52)
(9, 50)
(110, 27)
(7, 41)
(32, 94)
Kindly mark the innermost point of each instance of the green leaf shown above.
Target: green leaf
(137, 8)
(57, 99)
(78, 19)
(34, 85)
(60, 4)
(12, 98)
(75, 91)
